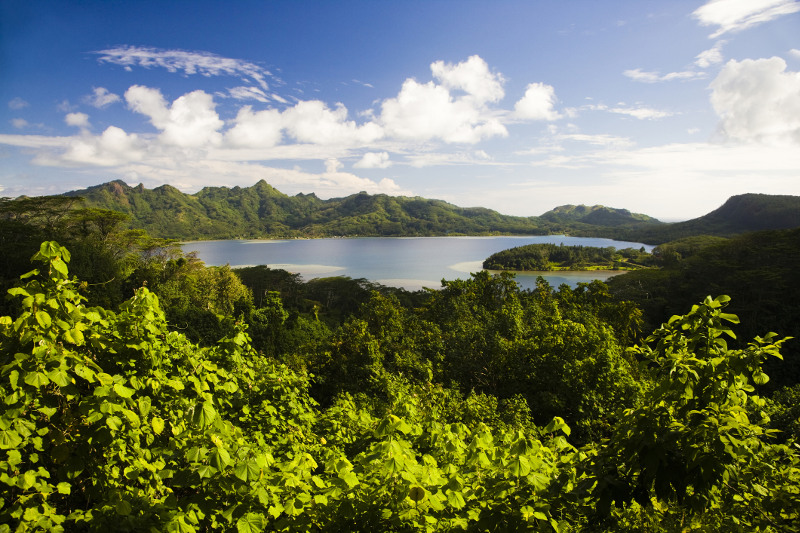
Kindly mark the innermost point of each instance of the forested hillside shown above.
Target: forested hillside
(164, 395)
(740, 214)
(262, 211)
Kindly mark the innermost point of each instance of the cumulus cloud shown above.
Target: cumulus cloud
(19, 123)
(101, 98)
(80, 120)
(655, 77)
(332, 166)
(203, 63)
(709, 57)
(537, 104)
(255, 129)
(17, 103)
(374, 160)
(423, 112)
(191, 121)
(794, 52)
(111, 148)
(312, 121)
(758, 100)
(737, 15)
(471, 76)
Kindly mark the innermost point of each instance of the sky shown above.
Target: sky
(662, 108)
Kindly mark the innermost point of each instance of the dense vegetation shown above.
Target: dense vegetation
(110, 420)
(544, 257)
(740, 214)
(164, 395)
(758, 270)
(261, 211)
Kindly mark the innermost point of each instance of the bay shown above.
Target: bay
(408, 262)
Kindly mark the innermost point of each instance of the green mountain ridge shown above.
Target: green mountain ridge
(261, 211)
(597, 215)
(739, 214)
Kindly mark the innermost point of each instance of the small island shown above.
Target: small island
(550, 257)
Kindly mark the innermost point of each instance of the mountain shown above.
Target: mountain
(739, 214)
(262, 211)
(596, 215)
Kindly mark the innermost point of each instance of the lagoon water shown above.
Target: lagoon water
(408, 262)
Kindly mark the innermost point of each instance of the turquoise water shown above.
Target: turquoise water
(409, 262)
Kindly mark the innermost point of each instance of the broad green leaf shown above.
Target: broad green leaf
(157, 424)
(43, 319)
(59, 377)
(204, 414)
(64, 488)
(36, 379)
(416, 493)
(123, 391)
(455, 499)
(219, 458)
(123, 508)
(250, 523)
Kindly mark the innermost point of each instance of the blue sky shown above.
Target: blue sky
(663, 108)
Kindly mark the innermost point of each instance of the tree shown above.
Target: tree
(690, 448)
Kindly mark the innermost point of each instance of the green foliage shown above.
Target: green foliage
(262, 211)
(758, 271)
(691, 446)
(110, 421)
(559, 257)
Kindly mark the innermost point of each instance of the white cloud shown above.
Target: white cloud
(795, 52)
(639, 112)
(80, 120)
(312, 121)
(537, 103)
(422, 112)
(642, 113)
(191, 121)
(471, 76)
(111, 148)
(204, 63)
(65, 107)
(374, 160)
(602, 139)
(737, 15)
(248, 93)
(429, 159)
(101, 98)
(17, 103)
(655, 77)
(758, 100)
(19, 123)
(675, 181)
(332, 166)
(255, 129)
(709, 57)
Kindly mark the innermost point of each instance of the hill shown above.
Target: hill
(739, 214)
(596, 215)
(262, 211)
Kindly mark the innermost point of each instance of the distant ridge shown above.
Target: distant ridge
(739, 214)
(261, 211)
(597, 215)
